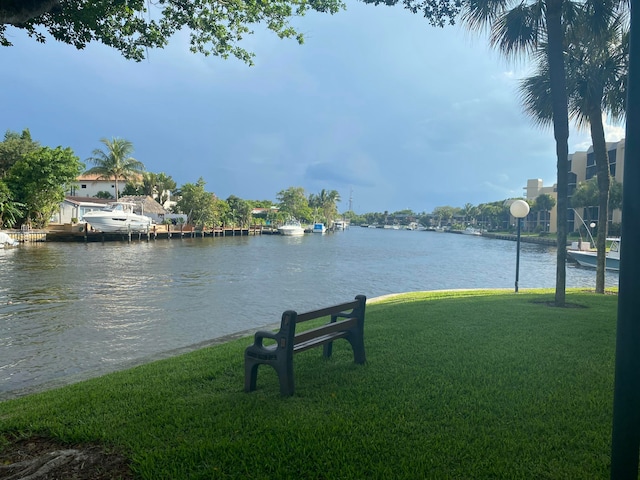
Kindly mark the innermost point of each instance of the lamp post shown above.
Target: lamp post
(519, 209)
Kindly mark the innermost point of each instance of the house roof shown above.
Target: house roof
(90, 201)
(149, 205)
(95, 177)
(263, 210)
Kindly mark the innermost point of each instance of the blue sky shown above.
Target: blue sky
(377, 104)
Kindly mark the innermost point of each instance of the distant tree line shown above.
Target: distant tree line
(33, 180)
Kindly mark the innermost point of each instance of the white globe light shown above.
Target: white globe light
(519, 209)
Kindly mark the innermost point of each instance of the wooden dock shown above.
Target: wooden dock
(27, 236)
(79, 233)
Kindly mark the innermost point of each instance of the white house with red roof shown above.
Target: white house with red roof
(88, 185)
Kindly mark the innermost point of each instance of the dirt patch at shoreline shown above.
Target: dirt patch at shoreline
(39, 457)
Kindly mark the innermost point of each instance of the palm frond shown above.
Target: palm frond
(535, 95)
(479, 15)
(520, 30)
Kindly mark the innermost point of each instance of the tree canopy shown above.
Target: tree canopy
(239, 212)
(294, 203)
(39, 180)
(133, 26)
(33, 179)
(14, 147)
(198, 204)
(438, 12)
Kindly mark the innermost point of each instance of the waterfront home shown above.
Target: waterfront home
(73, 208)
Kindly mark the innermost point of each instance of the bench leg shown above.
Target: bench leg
(285, 375)
(357, 344)
(250, 375)
(358, 354)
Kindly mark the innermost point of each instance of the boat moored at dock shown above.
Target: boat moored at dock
(118, 217)
(292, 228)
(319, 228)
(588, 258)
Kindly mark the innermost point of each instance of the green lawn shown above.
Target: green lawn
(457, 385)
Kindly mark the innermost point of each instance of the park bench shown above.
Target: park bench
(346, 320)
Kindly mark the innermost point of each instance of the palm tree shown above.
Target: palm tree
(10, 211)
(115, 163)
(519, 27)
(165, 184)
(596, 84)
(326, 201)
(522, 27)
(544, 203)
(314, 202)
(470, 212)
(329, 204)
(149, 182)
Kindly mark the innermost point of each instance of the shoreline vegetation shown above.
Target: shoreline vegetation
(457, 384)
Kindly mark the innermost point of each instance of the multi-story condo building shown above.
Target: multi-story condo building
(582, 167)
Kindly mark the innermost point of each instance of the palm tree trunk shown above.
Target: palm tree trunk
(602, 168)
(558, 81)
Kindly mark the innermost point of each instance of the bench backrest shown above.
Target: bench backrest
(325, 312)
(348, 310)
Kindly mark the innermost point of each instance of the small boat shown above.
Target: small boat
(340, 225)
(319, 228)
(471, 231)
(6, 240)
(588, 258)
(291, 229)
(118, 217)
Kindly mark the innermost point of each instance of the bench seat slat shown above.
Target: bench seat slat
(314, 342)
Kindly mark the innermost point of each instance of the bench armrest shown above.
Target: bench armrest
(262, 334)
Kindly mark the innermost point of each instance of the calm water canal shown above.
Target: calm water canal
(68, 311)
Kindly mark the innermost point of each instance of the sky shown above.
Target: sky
(377, 104)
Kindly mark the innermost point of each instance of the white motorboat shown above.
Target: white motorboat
(6, 240)
(118, 217)
(291, 229)
(472, 231)
(588, 258)
(340, 225)
(319, 228)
